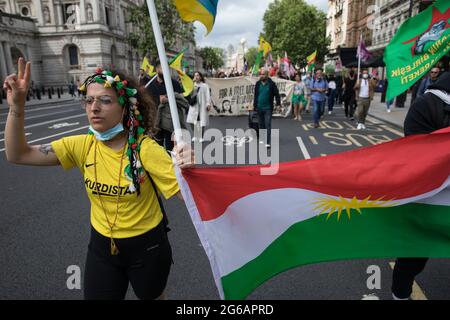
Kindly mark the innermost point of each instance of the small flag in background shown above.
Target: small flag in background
(264, 46)
(186, 81)
(148, 68)
(311, 60)
(309, 212)
(198, 10)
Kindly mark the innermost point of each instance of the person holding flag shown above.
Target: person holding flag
(124, 170)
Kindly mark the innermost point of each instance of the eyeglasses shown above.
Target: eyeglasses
(105, 101)
(434, 72)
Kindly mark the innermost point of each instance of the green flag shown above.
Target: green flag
(257, 62)
(417, 46)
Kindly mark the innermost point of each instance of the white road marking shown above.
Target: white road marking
(54, 135)
(45, 115)
(51, 121)
(26, 134)
(303, 148)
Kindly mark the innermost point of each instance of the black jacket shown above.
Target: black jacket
(428, 112)
(274, 93)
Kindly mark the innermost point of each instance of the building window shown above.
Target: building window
(25, 11)
(73, 57)
(108, 20)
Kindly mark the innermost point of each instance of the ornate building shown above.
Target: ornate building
(337, 17)
(388, 18)
(66, 39)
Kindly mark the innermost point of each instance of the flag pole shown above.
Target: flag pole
(359, 56)
(150, 82)
(166, 70)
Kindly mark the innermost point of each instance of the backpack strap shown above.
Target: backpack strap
(161, 206)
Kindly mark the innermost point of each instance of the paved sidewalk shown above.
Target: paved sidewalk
(44, 101)
(397, 115)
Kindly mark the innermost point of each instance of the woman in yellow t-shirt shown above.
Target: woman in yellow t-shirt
(123, 171)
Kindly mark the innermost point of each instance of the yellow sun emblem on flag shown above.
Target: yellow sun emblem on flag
(331, 205)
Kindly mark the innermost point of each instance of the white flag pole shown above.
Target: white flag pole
(151, 80)
(166, 70)
(359, 56)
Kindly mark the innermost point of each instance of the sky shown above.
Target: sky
(238, 19)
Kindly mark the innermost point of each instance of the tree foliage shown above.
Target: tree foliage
(213, 58)
(297, 28)
(172, 27)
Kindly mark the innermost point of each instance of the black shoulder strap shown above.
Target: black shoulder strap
(165, 218)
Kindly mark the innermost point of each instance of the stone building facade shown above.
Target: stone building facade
(66, 40)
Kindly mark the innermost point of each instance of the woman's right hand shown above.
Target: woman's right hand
(17, 86)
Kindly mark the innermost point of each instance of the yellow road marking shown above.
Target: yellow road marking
(313, 140)
(400, 134)
(417, 293)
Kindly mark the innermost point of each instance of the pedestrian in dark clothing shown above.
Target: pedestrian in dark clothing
(401, 99)
(265, 92)
(349, 95)
(158, 91)
(429, 113)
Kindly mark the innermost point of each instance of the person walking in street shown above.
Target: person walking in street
(349, 95)
(430, 112)
(319, 88)
(157, 89)
(123, 170)
(265, 92)
(298, 97)
(332, 87)
(365, 91)
(307, 83)
(198, 114)
(389, 103)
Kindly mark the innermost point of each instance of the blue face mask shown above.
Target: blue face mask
(108, 134)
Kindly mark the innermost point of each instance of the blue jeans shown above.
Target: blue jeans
(318, 110)
(265, 122)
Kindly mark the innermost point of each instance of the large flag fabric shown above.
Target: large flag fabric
(385, 201)
(311, 61)
(198, 10)
(257, 64)
(186, 81)
(264, 46)
(362, 52)
(417, 46)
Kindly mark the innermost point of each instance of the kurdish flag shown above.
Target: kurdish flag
(393, 200)
(186, 81)
(311, 60)
(417, 46)
(198, 10)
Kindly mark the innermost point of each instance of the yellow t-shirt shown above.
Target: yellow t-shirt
(136, 214)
